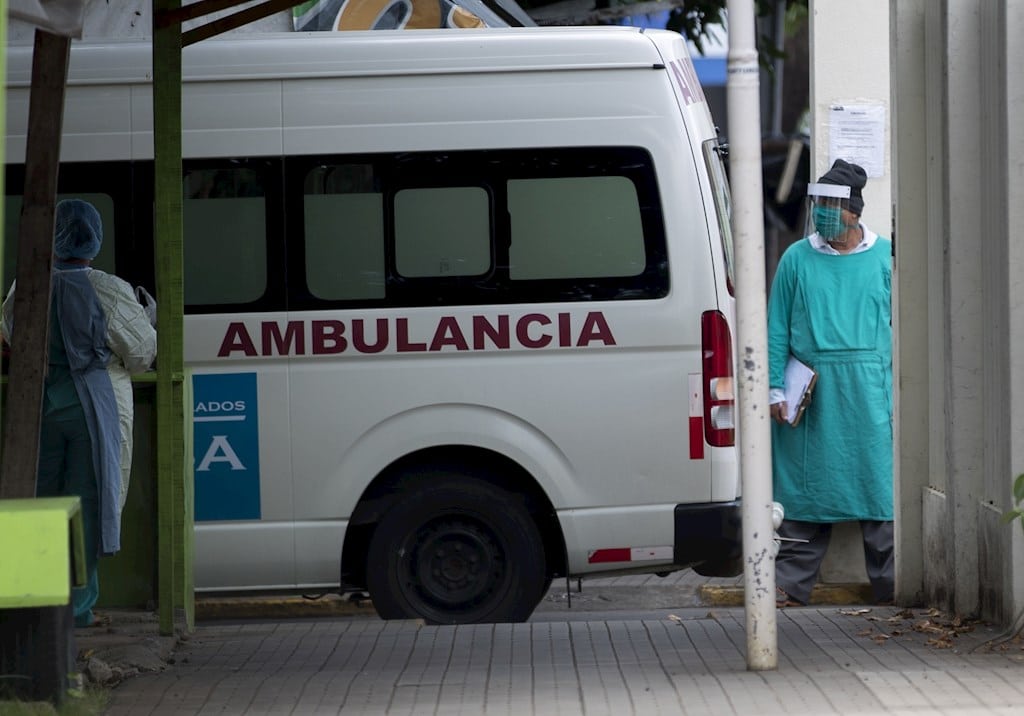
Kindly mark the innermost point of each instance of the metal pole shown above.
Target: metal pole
(752, 337)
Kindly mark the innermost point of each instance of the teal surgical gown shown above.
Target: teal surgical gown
(833, 313)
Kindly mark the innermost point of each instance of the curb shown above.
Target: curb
(822, 594)
(282, 607)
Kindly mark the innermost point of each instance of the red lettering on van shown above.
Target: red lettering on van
(483, 328)
(595, 328)
(236, 338)
(448, 333)
(402, 331)
(328, 336)
(293, 333)
(523, 330)
(359, 336)
(686, 79)
(564, 326)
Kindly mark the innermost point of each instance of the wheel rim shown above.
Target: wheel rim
(453, 565)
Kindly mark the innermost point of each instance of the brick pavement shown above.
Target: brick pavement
(687, 661)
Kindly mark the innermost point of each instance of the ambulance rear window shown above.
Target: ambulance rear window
(714, 155)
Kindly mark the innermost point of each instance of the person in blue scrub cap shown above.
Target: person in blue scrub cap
(99, 336)
(830, 307)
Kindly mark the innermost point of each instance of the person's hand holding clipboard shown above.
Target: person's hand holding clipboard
(800, 381)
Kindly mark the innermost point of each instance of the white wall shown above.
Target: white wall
(849, 65)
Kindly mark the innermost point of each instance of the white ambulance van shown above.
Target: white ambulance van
(458, 308)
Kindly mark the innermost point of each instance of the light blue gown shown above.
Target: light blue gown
(80, 438)
(833, 313)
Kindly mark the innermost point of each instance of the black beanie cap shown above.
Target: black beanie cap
(844, 173)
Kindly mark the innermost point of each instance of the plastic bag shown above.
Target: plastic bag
(148, 303)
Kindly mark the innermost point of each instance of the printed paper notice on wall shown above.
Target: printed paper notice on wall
(857, 134)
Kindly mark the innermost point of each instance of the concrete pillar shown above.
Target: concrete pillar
(963, 218)
(911, 290)
(1014, 87)
(937, 558)
(959, 180)
(849, 65)
(995, 349)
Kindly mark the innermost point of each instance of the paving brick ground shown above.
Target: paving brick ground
(832, 660)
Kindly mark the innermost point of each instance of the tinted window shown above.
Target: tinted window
(224, 236)
(575, 227)
(509, 226)
(442, 231)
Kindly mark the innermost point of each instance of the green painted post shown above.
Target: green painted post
(174, 491)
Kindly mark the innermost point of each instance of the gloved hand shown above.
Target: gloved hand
(148, 303)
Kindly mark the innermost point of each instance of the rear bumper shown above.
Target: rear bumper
(708, 533)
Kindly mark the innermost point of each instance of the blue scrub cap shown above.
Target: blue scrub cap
(78, 230)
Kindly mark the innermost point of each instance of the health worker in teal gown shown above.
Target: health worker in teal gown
(99, 335)
(829, 307)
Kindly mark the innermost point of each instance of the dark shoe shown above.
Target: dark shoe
(782, 599)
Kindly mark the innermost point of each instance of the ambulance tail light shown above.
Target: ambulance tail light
(719, 393)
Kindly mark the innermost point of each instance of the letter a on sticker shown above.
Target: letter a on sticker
(220, 451)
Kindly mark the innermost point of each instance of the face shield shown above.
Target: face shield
(825, 205)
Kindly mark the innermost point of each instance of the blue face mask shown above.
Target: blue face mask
(828, 221)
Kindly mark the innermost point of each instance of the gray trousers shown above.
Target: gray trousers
(798, 563)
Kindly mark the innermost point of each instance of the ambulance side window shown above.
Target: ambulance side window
(343, 215)
(224, 235)
(474, 227)
(575, 227)
(442, 231)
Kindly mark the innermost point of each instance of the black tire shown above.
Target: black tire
(548, 581)
(456, 551)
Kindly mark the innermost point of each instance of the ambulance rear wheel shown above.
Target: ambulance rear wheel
(459, 551)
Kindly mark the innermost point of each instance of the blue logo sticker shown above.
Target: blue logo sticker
(227, 457)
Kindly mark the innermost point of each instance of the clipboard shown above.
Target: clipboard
(800, 381)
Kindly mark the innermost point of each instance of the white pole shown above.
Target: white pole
(752, 337)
